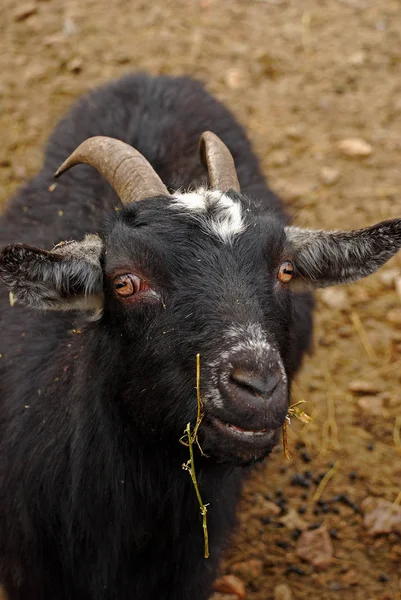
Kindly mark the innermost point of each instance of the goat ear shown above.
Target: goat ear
(324, 258)
(69, 277)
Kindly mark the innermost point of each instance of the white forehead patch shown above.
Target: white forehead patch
(215, 211)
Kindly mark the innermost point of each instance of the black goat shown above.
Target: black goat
(94, 503)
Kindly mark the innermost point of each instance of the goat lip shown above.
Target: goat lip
(243, 434)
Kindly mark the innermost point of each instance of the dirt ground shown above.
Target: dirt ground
(302, 75)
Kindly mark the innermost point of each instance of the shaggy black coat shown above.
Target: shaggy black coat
(94, 504)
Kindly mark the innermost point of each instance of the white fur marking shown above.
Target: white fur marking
(217, 213)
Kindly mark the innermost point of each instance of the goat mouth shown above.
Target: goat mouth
(234, 445)
(243, 434)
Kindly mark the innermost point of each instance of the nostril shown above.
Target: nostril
(255, 383)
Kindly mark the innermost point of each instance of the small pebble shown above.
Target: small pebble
(236, 78)
(282, 592)
(295, 132)
(329, 175)
(230, 584)
(333, 533)
(315, 547)
(383, 578)
(279, 158)
(292, 520)
(335, 298)
(302, 510)
(371, 446)
(25, 11)
(75, 65)
(263, 508)
(248, 570)
(355, 148)
(19, 171)
(372, 405)
(357, 58)
(363, 387)
(301, 192)
(282, 544)
(351, 577)
(388, 277)
(382, 516)
(393, 316)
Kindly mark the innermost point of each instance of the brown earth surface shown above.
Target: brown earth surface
(301, 75)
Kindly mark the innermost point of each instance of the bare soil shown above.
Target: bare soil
(301, 75)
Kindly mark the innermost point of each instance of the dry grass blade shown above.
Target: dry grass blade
(397, 501)
(330, 427)
(322, 485)
(397, 432)
(357, 323)
(200, 405)
(285, 441)
(298, 413)
(192, 438)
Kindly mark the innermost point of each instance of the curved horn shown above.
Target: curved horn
(129, 173)
(219, 162)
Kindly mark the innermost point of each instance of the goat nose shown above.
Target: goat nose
(253, 396)
(255, 383)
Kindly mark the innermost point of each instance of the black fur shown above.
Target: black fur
(94, 503)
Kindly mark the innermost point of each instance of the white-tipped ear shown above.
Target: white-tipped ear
(69, 277)
(324, 258)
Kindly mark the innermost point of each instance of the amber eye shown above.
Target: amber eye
(127, 285)
(286, 271)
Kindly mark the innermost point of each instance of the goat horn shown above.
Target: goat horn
(219, 162)
(129, 173)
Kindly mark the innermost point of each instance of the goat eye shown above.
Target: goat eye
(286, 271)
(127, 285)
